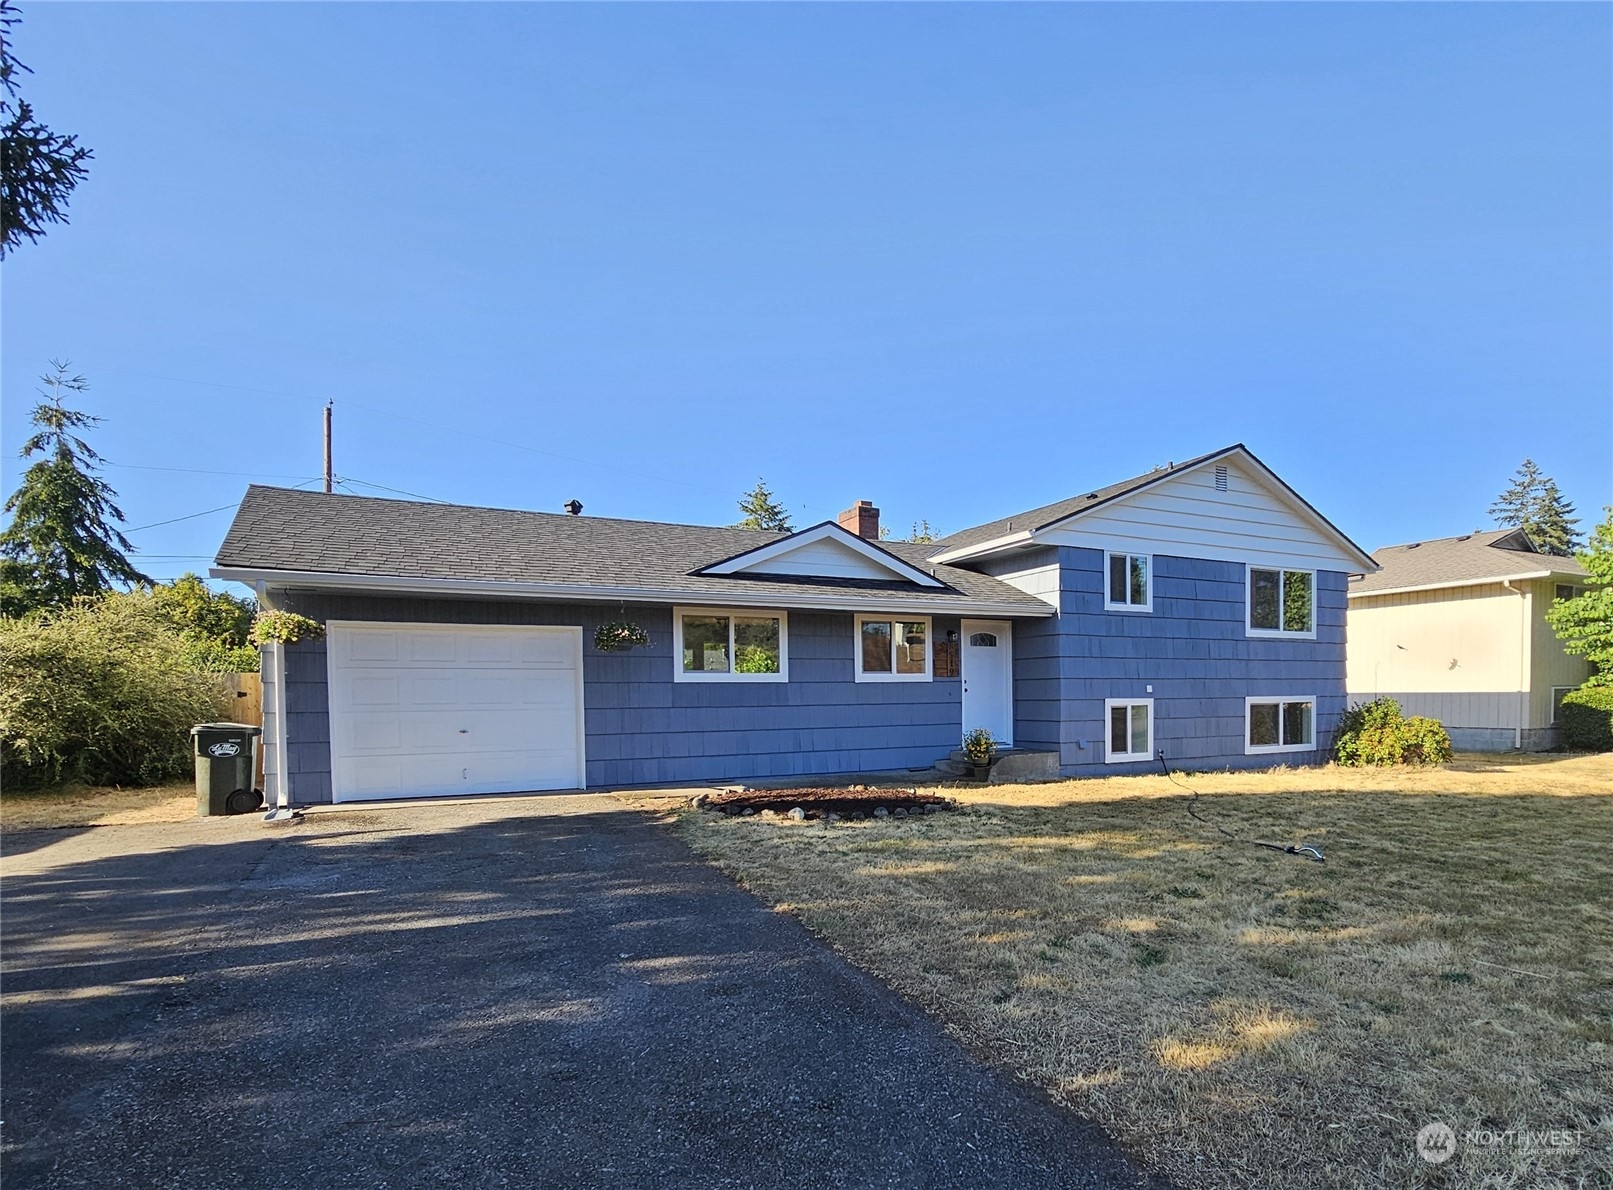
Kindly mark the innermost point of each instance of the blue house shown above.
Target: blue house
(1196, 612)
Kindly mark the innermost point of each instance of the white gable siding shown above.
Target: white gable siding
(825, 558)
(1187, 516)
(1041, 581)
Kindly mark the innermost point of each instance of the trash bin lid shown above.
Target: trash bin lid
(227, 728)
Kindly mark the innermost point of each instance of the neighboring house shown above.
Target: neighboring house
(1456, 629)
(1196, 611)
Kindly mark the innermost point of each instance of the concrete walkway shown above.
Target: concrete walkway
(540, 992)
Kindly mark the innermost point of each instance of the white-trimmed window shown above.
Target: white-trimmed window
(893, 649)
(1281, 602)
(1557, 693)
(1279, 725)
(1569, 591)
(712, 644)
(1130, 726)
(1130, 582)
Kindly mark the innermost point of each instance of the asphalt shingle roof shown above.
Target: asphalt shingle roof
(1047, 514)
(283, 529)
(1455, 561)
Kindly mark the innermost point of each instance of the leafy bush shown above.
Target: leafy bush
(215, 624)
(1378, 733)
(101, 691)
(1585, 723)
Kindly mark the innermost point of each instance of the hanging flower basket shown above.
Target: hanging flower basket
(285, 628)
(619, 637)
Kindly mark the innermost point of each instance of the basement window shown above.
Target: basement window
(1131, 729)
(727, 645)
(1279, 725)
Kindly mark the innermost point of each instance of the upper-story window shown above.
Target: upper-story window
(893, 650)
(728, 645)
(1282, 602)
(1130, 582)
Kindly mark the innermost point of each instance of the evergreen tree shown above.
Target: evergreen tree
(1585, 623)
(62, 541)
(38, 168)
(762, 511)
(1533, 502)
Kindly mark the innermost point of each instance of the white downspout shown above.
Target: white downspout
(282, 811)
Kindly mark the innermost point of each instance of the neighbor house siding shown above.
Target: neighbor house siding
(1457, 654)
(1549, 664)
(641, 727)
(1193, 649)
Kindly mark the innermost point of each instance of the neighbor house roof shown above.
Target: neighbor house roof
(1021, 527)
(289, 538)
(1487, 557)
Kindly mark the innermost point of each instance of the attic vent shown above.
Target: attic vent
(1220, 479)
(1414, 545)
(1465, 537)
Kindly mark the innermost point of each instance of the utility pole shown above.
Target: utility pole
(329, 474)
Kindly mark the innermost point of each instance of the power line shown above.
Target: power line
(457, 431)
(343, 480)
(200, 471)
(177, 519)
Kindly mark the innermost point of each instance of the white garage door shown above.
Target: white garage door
(427, 710)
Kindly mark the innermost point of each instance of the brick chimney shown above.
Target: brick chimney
(862, 519)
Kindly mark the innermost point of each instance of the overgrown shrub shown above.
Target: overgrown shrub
(103, 692)
(1378, 733)
(1585, 723)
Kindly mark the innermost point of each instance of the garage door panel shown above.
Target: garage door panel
(433, 711)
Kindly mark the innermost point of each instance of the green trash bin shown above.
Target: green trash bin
(226, 764)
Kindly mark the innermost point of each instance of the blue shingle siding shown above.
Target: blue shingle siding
(1192, 649)
(642, 727)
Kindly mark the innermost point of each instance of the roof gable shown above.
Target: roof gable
(824, 551)
(1226, 505)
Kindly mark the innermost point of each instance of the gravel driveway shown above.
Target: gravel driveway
(547, 991)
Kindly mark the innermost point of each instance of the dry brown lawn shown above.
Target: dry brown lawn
(88, 806)
(1240, 1017)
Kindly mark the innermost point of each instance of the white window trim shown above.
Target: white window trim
(1277, 700)
(1112, 757)
(891, 617)
(1110, 605)
(1249, 628)
(680, 675)
(1557, 693)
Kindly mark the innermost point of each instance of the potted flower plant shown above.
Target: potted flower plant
(619, 636)
(979, 747)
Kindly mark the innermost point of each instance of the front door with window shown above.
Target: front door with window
(988, 678)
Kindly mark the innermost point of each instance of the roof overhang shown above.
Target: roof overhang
(757, 559)
(1240, 451)
(386, 584)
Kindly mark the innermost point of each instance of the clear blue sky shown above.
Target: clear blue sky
(958, 260)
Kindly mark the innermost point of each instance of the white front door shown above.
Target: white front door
(426, 710)
(988, 678)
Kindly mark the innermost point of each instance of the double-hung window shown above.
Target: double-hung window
(1131, 729)
(892, 649)
(1282, 602)
(1131, 585)
(729, 645)
(1279, 725)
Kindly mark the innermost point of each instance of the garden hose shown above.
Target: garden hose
(1304, 850)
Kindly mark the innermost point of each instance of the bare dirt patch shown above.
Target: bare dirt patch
(82, 805)
(1237, 1016)
(854, 802)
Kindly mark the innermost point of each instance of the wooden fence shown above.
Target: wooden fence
(248, 697)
